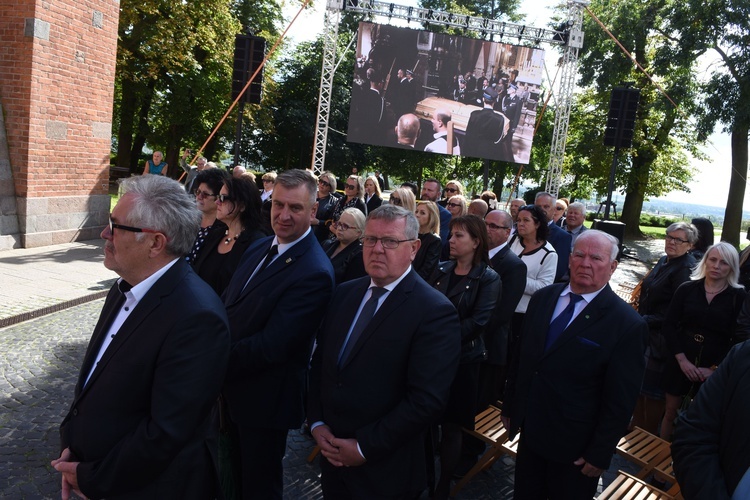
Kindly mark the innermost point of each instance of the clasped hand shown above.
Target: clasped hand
(339, 452)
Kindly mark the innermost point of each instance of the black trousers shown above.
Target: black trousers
(342, 483)
(257, 462)
(540, 479)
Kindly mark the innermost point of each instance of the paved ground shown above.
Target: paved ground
(39, 361)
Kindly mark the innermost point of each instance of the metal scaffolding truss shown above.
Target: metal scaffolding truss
(499, 30)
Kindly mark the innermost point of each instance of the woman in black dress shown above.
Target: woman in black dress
(472, 286)
(238, 207)
(428, 254)
(373, 196)
(345, 251)
(699, 327)
(657, 290)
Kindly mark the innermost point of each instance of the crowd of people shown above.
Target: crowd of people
(242, 312)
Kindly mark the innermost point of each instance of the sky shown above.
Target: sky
(710, 184)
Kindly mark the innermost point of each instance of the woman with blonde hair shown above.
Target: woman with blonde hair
(699, 327)
(428, 255)
(345, 251)
(403, 197)
(354, 190)
(373, 196)
(457, 206)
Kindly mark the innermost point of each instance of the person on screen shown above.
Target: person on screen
(407, 131)
(367, 115)
(486, 130)
(440, 121)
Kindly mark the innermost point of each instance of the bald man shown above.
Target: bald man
(407, 131)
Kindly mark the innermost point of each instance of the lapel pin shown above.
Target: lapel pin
(587, 316)
(288, 260)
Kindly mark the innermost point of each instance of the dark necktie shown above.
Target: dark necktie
(368, 311)
(559, 324)
(272, 252)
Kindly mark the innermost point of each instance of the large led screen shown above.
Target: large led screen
(444, 93)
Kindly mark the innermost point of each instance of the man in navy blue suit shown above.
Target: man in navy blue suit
(560, 240)
(275, 302)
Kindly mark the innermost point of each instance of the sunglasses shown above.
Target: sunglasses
(451, 190)
(351, 186)
(324, 183)
(395, 201)
(451, 204)
(559, 209)
(223, 198)
(113, 226)
(204, 194)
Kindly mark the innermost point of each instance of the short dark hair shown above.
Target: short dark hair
(430, 179)
(411, 186)
(476, 228)
(212, 177)
(540, 216)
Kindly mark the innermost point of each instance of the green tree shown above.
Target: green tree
(656, 163)
(720, 28)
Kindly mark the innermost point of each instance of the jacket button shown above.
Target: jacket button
(75, 412)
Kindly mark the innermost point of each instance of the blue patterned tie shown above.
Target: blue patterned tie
(559, 324)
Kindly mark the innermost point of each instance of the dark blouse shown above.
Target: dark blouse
(216, 268)
(347, 264)
(343, 205)
(690, 318)
(428, 255)
(659, 287)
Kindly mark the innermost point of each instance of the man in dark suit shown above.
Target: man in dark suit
(512, 272)
(486, 130)
(560, 240)
(139, 424)
(275, 302)
(572, 389)
(431, 191)
(382, 369)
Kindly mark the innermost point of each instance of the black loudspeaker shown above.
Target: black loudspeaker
(613, 228)
(623, 105)
(249, 52)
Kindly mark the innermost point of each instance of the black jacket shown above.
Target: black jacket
(474, 299)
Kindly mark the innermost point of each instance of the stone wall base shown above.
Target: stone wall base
(55, 220)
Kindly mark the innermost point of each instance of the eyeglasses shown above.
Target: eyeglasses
(204, 194)
(343, 227)
(395, 201)
(113, 226)
(451, 204)
(351, 186)
(324, 183)
(495, 227)
(223, 198)
(388, 243)
(675, 240)
(451, 190)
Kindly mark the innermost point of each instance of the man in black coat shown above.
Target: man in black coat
(486, 130)
(139, 425)
(376, 386)
(573, 386)
(560, 239)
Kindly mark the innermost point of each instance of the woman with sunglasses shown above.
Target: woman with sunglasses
(657, 290)
(472, 286)
(345, 251)
(428, 254)
(354, 197)
(326, 199)
(373, 196)
(531, 245)
(403, 197)
(238, 207)
(452, 188)
(700, 327)
(209, 184)
(559, 217)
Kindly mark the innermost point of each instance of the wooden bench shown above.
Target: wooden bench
(629, 487)
(489, 428)
(652, 454)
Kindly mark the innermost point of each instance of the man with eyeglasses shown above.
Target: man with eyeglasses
(275, 300)
(141, 411)
(382, 369)
(560, 240)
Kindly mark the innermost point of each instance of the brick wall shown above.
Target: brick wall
(57, 65)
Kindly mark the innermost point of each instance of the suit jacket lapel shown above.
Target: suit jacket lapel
(394, 300)
(349, 308)
(587, 318)
(250, 260)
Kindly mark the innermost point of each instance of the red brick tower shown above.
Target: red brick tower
(57, 70)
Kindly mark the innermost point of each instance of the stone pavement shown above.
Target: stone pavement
(40, 358)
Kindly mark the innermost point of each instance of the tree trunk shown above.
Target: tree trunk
(143, 128)
(630, 214)
(733, 213)
(127, 118)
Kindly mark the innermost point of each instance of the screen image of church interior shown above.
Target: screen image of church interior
(444, 94)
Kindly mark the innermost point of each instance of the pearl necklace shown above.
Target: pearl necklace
(228, 238)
